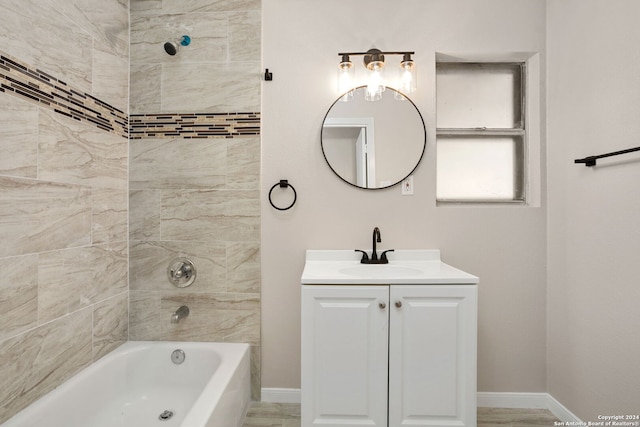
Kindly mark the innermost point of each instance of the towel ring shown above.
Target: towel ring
(283, 184)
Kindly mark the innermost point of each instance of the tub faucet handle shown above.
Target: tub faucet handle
(181, 272)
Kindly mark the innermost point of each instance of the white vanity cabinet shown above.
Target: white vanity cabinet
(389, 355)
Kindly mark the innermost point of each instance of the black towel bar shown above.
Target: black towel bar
(591, 160)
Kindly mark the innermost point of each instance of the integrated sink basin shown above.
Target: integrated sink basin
(343, 267)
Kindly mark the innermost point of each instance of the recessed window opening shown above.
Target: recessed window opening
(481, 132)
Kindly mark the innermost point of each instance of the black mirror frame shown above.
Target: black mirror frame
(424, 146)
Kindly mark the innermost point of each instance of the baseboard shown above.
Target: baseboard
(281, 395)
(527, 401)
(560, 411)
(485, 400)
(513, 400)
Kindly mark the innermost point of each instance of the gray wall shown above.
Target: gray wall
(594, 231)
(63, 192)
(505, 246)
(196, 196)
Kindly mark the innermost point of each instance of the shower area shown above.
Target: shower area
(194, 170)
(118, 158)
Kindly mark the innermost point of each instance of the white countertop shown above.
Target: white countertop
(343, 267)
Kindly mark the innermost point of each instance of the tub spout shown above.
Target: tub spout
(180, 314)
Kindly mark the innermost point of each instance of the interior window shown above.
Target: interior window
(481, 138)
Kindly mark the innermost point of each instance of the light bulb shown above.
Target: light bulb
(408, 75)
(346, 79)
(375, 82)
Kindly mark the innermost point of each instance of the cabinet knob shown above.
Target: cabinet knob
(398, 303)
(382, 305)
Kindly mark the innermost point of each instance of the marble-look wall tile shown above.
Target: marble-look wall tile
(213, 317)
(242, 325)
(196, 197)
(180, 163)
(144, 214)
(145, 316)
(47, 356)
(208, 32)
(145, 5)
(63, 188)
(255, 373)
(19, 137)
(211, 87)
(18, 294)
(71, 151)
(106, 21)
(110, 324)
(245, 36)
(210, 5)
(28, 83)
(58, 46)
(110, 77)
(212, 215)
(109, 215)
(243, 163)
(243, 267)
(38, 216)
(150, 260)
(144, 88)
(69, 280)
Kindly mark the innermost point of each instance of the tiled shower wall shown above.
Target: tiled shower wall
(63, 191)
(194, 171)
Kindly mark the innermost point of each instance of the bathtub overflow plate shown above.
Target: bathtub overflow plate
(178, 356)
(165, 416)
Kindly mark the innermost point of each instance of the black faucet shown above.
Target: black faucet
(376, 238)
(374, 255)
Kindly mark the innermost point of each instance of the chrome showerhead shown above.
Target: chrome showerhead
(172, 47)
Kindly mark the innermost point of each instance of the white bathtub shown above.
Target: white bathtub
(133, 385)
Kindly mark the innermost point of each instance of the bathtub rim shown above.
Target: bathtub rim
(203, 406)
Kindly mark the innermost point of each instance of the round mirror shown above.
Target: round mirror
(373, 144)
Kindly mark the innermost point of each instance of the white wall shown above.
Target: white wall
(594, 226)
(505, 246)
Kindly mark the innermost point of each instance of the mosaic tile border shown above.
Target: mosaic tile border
(36, 86)
(194, 125)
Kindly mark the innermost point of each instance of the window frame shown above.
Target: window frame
(520, 133)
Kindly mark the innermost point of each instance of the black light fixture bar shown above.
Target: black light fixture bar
(374, 61)
(380, 53)
(591, 160)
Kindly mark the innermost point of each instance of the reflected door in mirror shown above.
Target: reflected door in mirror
(373, 144)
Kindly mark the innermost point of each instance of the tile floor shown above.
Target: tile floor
(262, 414)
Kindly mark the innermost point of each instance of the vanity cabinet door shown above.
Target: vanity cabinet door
(344, 355)
(432, 355)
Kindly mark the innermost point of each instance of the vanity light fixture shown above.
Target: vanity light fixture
(346, 78)
(374, 60)
(408, 75)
